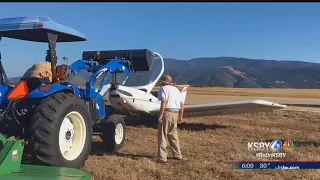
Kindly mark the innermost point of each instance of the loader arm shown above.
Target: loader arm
(99, 94)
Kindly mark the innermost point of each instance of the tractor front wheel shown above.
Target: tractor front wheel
(60, 132)
(114, 133)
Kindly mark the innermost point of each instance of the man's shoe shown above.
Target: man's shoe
(177, 158)
(160, 161)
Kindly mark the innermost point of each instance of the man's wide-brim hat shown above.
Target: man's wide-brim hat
(166, 79)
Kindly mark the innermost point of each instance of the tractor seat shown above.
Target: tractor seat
(32, 82)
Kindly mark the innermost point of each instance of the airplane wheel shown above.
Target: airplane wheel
(60, 131)
(114, 133)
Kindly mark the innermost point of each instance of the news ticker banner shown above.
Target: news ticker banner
(277, 165)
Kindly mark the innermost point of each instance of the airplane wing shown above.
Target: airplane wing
(234, 107)
(226, 108)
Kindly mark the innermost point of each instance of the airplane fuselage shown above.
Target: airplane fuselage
(130, 100)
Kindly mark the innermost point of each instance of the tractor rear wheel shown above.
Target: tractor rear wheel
(60, 131)
(113, 133)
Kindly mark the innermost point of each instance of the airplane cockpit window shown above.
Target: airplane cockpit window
(145, 77)
(116, 78)
(81, 78)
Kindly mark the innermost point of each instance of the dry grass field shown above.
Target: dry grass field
(210, 144)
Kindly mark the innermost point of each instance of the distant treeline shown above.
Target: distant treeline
(203, 85)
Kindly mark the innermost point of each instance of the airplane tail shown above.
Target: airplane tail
(183, 90)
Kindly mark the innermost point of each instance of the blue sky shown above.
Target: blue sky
(280, 31)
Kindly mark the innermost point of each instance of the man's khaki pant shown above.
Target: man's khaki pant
(168, 132)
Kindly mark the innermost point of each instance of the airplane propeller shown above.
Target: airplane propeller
(114, 87)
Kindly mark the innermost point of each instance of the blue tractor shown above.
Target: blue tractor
(57, 119)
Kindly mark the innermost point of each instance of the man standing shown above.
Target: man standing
(171, 113)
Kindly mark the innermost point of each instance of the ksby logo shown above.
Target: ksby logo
(273, 146)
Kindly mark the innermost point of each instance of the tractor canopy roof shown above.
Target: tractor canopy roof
(36, 29)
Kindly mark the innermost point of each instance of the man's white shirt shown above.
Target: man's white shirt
(173, 96)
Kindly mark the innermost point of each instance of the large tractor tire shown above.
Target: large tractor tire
(60, 131)
(113, 133)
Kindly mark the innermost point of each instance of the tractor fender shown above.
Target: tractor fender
(47, 90)
(4, 90)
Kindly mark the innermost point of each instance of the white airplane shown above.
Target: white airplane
(134, 96)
